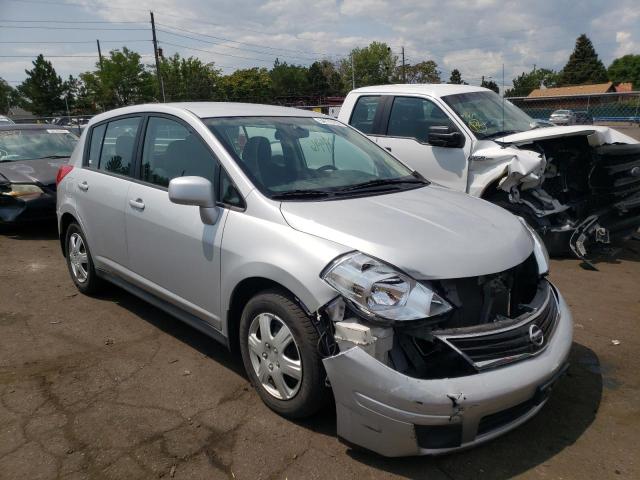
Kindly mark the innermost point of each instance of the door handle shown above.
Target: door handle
(137, 203)
(387, 148)
(84, 186)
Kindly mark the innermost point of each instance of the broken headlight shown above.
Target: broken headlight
(380, 291)
(21, 190)
(539, 250)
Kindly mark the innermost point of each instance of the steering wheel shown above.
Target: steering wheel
(325, 168)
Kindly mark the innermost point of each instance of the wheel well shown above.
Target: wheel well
(66, 220)
(491, 189)
(242, 293)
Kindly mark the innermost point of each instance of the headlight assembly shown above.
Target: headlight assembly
(539, 250)
(380, 291)
(21, 190)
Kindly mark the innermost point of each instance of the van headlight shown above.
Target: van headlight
(380, 291)
(539, 249)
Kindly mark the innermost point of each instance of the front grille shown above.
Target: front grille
(507, 340)
(614, 174)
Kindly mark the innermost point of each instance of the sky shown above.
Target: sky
(477, 37)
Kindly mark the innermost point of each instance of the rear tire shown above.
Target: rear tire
(279, 350)
(79, 261)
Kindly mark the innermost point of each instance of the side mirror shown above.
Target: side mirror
(197, 191)
(443, 136)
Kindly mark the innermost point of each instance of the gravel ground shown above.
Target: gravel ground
(110, 387)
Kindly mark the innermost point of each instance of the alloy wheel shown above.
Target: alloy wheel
(78, 258)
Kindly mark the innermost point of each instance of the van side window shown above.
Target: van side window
(411, 117)
(118, 145)
(227, 192)
(171, 150)
(364, 113)
(97, 135)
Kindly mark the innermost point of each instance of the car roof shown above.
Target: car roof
(212, 109)
(432, 89)
(31, 126)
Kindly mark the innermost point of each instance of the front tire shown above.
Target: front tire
(79, 261)
(278, 344)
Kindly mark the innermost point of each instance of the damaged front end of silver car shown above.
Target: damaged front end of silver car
(455, 377)
(579, 188)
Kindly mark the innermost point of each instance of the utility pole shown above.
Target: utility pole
(353, 73)
(155, 51)
(99, 53)
(404, 72)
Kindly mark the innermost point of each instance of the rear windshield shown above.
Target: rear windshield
(25, 144)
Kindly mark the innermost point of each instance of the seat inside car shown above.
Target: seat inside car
(188, 157)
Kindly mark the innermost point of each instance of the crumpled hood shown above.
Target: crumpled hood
(428, 232)
(597, 135)
(41, 171)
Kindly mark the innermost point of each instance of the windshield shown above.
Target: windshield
(307, 158)
(30, 144)
(488, 115)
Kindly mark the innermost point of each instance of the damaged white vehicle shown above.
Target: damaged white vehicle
(332, 266)
(578, 186)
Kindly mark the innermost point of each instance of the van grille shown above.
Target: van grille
(507, 341)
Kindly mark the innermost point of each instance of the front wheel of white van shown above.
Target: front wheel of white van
(278, 343)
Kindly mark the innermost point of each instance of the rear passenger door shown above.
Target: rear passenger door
(101, 188)
(172, 253)
(404, 131)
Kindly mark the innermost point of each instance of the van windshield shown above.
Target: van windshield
(487, 115)
(305, 158)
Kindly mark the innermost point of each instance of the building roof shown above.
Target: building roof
(624, 87)
(572, 90)
(432, 89)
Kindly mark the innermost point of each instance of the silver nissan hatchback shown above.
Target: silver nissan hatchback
(335, 269)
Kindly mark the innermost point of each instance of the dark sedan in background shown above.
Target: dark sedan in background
(30, 156)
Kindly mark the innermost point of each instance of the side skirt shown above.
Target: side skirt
(167, 307)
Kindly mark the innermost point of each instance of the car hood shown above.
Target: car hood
(41, 171)
(429, 232)
(597, 135)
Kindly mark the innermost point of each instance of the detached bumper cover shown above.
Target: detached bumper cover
(394, 415)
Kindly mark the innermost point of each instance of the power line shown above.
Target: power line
(64, 42)
(68, 21)
(41, 27)
(214, 52)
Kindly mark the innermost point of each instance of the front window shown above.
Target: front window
(310, 158)
(33, 144)
(488, 115)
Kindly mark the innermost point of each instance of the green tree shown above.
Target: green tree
(626, 69)
(7, 96)
(456, 77)
(584, 66)
(42, 91)
(249, 85)
(423, 72)
(490, 84)
(289, 80)
(525, 83)
(324, 80)
(121, 80)
(188, 79)
(373, 65)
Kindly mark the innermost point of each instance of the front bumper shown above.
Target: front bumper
(395, 415)
(25, 210)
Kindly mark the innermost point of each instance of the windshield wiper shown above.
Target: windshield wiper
(502, 133)
(296, 194)
(380, 182)
(51, 156)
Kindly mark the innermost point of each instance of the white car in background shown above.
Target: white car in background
(563, 117)
(578, 186)
(6, 120)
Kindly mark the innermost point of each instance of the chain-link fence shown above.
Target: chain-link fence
(75, 123)
(598, 108)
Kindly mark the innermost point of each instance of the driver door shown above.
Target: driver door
(405, 133)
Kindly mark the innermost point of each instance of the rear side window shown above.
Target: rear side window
(118, 145)
(171, 150)
(364, 113)
(97, 135)
(411, 117)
